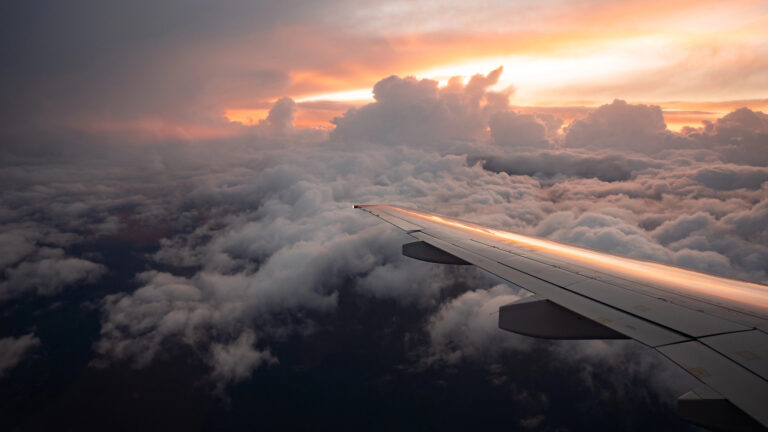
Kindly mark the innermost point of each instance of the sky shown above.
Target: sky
(179, 248)
(152, 67)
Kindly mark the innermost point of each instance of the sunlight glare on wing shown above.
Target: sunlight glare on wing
(747, 293)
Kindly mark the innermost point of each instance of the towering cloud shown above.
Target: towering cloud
(416, 112)
(280, 118)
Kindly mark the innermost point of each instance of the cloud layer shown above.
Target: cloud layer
(252, 239)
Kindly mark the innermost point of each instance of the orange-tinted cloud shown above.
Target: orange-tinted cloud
(555, 54)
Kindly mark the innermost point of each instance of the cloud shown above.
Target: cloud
(532, 422)
(467, 327)
(20, 240)
(246, 242)
(15, 247)
(236, 361)
(13, 350)
(740, 136)
(165, 306)
(609, 167)
(622, 126)
(727, 177)
(682, 227)
(416, 112)
(517, 130)
(280, 118)
(32, 262)
(48, 275)
(466, 330)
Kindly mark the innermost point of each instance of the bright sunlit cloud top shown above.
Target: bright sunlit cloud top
(362, 95)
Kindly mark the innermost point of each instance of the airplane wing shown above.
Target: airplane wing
(714, 328)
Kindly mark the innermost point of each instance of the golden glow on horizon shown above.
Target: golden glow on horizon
(248, 117)
(359, 95)
(747, 293)
(653, 52)
(306, 117)
(535, 75)
(677, 115)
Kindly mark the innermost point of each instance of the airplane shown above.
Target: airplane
(715, 328)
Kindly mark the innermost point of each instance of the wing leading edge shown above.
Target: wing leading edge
(714, 328)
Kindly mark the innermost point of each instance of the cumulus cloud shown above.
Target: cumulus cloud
(622, 126)
(32, 262)
(48, 275)
(18, 241)
(414, 112)
(740, 136)
(517, 130)
(236, 361)
(467, 327)
(13, 350)
(254, 238)
(280, 118)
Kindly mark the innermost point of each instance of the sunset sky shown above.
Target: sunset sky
(683, 55)
(164, 69)
(179, 248)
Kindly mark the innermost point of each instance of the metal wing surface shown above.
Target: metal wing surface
(714, 328)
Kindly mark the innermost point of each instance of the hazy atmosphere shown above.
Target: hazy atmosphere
(178, 247)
